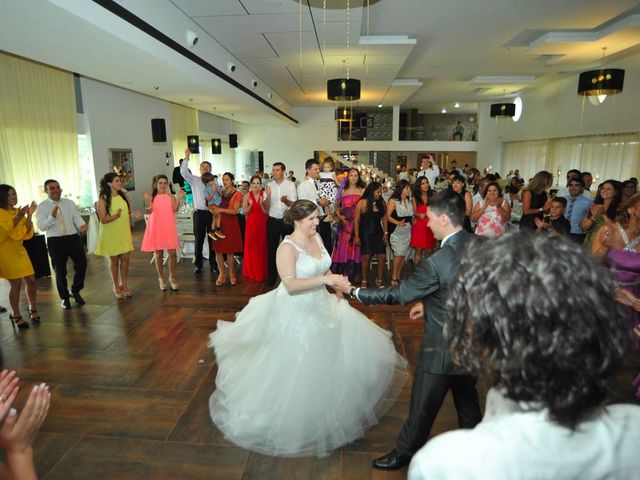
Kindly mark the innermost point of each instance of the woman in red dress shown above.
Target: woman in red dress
(232, 243)
(254, 262)
(422, 239)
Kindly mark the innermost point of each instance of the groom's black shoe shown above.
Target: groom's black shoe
(393, 460)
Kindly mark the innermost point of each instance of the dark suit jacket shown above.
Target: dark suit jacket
(430, 283)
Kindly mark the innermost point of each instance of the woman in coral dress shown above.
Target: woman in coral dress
(422, 239)
(161, 233)
(232, 243)
(16, 226)
(254, 261)
(346, 254)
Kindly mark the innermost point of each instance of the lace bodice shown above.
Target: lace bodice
(307, 265)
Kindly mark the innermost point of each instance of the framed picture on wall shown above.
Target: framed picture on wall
(121, 162)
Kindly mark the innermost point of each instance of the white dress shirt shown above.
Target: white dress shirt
(197, 186)
(278, 190)
(514, 441)
(432, 173)
(307, 190)
(53, 226)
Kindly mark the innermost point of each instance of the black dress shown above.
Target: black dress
(528, 222)
(371, 234)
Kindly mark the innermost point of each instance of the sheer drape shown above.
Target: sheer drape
(605, 156)
(38, 130)
(184, 121)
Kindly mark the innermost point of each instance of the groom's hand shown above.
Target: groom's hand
(417, 311)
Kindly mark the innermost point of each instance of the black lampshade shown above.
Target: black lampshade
(503, 109)
(601, 82)
(216, 146)
(343, 89)
(344, 114)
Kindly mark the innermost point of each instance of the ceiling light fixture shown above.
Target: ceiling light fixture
(380, 105)
(456, 105)
(605, 81)
(444, 110)
(344, 89)
(503, 110)
(344, 114)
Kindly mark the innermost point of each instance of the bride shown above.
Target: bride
(301, 372)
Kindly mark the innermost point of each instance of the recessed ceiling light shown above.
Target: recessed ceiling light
(456, 105)
(380, 106)
(444, 110)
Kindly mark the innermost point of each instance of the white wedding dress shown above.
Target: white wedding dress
(303, 374)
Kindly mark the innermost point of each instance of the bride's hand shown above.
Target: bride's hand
(338, 282)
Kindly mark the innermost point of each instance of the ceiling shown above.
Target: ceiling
(414, 53)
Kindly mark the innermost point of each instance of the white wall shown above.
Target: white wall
(556, 110)
(120, 118)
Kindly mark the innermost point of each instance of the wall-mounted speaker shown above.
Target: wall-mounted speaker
(193, 143)
(216, 146)
(233, 140)
(158, 130)
(260, 161)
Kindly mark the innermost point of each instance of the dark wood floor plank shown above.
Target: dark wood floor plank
(111, 458)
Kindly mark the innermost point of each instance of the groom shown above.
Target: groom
(434, 374)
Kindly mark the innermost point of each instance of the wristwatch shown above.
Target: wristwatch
(352, 293)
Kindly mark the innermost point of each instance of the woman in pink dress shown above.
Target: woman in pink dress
(161, 233)
(422, 239)
(346, 254)
(254, 260)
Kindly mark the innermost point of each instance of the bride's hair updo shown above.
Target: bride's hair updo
(299, 210)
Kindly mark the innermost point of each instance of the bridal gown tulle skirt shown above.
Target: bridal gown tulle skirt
(301, 375)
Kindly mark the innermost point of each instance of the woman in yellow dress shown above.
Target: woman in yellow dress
(15, 226)
(114, 239)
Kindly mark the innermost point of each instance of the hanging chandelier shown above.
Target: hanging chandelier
(604, 81)
(503, 109)
(344, 114)
(344, 89)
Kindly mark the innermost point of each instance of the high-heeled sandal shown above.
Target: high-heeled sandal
(379, 284)
(173, 284)
(222, 279)
(125, 291)
(35, 316)
(363, 284)
(162, 284)
(233, 280)
(19, 322)
(118, 293)
(395, 281)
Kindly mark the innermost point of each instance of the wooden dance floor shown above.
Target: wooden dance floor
(130, 383)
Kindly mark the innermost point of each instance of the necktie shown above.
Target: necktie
(60, 217)
(570, 208)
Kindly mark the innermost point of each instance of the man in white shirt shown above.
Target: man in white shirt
(202, 216)
(281, 193)
(308, 190)
(429, 169)
(548, 350)
(62, 225)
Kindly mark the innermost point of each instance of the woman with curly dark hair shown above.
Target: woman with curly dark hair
(603, 211)
(547, 348)
(370, 229)
(114, 239)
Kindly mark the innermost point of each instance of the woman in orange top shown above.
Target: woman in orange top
(15, 226)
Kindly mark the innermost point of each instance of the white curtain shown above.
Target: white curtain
(38, 129)
(615, 156)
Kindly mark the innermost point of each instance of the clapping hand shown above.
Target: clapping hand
(267, 191)
(8, 391)
(147, 197)
(18, 432)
